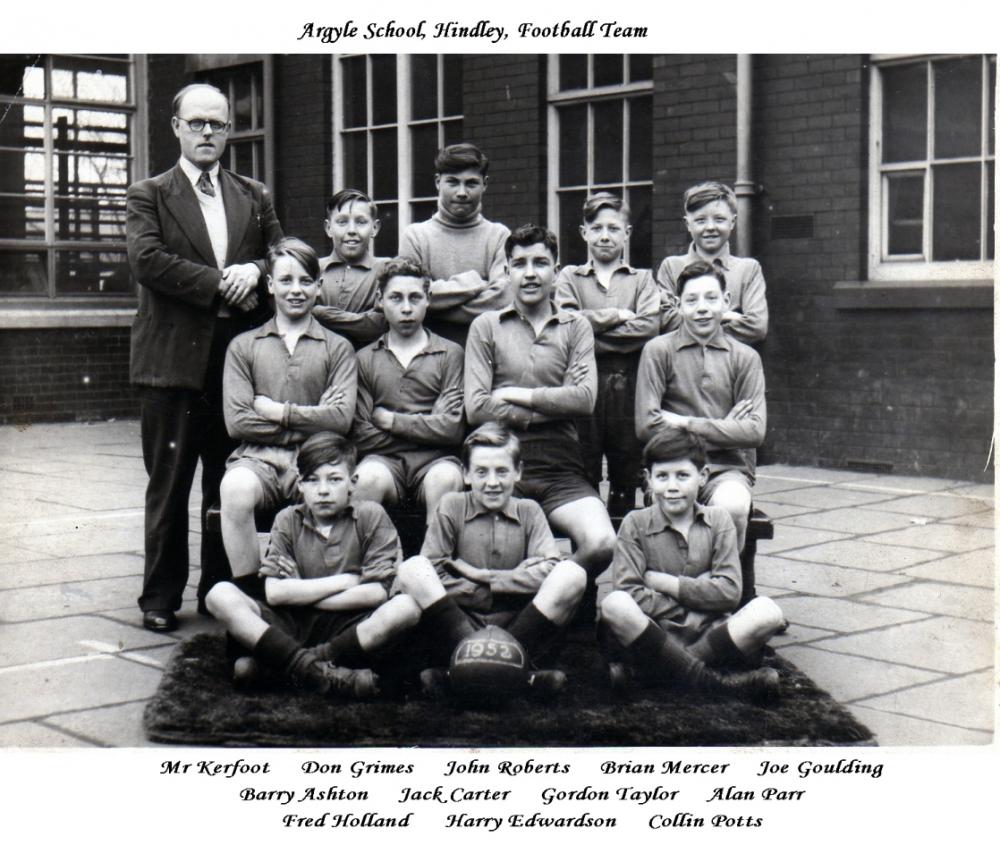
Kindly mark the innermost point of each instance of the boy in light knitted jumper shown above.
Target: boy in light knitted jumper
(460, 250)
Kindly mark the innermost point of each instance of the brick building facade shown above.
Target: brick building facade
(880, 351)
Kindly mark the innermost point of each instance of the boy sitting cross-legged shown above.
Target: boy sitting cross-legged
(409, 417)
(283, 382)
(490, 559)
(325, 579)
(675, 579)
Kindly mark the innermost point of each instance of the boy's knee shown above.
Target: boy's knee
(616, 608)
(238, 491)
(405, 610)
(569, 581)
(217, 598)
(443, 478)
(597, 548)
(765, 613)
(415, 572)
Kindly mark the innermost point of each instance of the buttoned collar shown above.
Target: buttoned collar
(193, 173)
(306, 518)
(588, 269)
(473, 509)
(724, 259)
(559, 315)
(328, 261)
(313, 330)
(657, 520)
(719, 341)
(435, 343)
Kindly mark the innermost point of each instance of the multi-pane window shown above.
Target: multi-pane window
(600, 132)
(932, 172)
(246, 143)
(392, 114)
(68, 146)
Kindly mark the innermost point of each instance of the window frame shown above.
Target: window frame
(915, 268)
(20, 310)
(404, 123)
(555, 98)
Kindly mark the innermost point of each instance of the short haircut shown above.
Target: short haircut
(597, 202)
(670, 444)
(292, 247)
(697, 269)
(344, 198)
(492, 434)
(402, 267)
(179, 97)
(529, 235)
(325, 448)
(459, 157)
(711, 191)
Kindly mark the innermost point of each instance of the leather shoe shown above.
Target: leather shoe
(159, 621)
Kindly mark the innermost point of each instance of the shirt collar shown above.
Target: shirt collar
(307, 519)
(588, 269)
(473, 509)
(366, 263)
(435, 343)
(724, 258)
(313, 330)
(657, 521)
(718, 341)
(194, 173)
(560, 316)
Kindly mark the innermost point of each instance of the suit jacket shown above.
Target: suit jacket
(171, 257)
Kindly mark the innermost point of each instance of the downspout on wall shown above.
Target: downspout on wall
(745, 188)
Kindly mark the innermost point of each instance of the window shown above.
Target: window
(247, 152)
(69, 144)
(932, 168)
(600, 138)
(391, 116)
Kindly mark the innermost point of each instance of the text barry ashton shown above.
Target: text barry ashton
(483, 29)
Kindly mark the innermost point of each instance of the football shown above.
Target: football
(488, 668)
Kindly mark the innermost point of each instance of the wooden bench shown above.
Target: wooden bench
(410, 523)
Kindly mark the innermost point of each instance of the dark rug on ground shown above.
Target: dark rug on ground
(197, 704)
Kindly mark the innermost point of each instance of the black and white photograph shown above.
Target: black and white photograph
(473, 398)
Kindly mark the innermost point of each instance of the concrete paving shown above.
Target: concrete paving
(888, 582)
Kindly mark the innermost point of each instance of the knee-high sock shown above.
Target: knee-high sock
(533, 629)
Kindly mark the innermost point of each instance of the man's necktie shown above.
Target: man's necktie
(205, 184)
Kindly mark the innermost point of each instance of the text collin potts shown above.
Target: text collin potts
(524, 794)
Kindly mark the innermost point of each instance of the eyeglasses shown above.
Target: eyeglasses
(198, 125)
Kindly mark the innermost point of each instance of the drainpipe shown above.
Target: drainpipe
(745, 188)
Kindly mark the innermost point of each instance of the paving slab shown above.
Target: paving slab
(904, 483)
(772, 592)
(945, 644)
(808, 473)
(114, 726)
(982, 491)
(820, 579)
(777, 510)
(858, 554)
(977, 520)
(961, 701)
(850, 520)
(89, 540)
(849, 677)
(13, 556)
(975, 568)
(826, 497)
(63, 600)
(934, 506)
(31, 734)
(766, 484)
(37, 572)
(797, 634)
(35, 690)
(940, 537)
(793, 537)
(931, 597)
(904, 730)
(68, 637)
(839, 615)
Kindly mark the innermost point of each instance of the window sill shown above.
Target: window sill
(914, 294)
(65, 318)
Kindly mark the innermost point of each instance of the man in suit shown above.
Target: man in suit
(197, 236)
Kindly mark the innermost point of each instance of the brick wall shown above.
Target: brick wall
(908, 388)
(64, 375)
(303, 146)
(504, 105)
